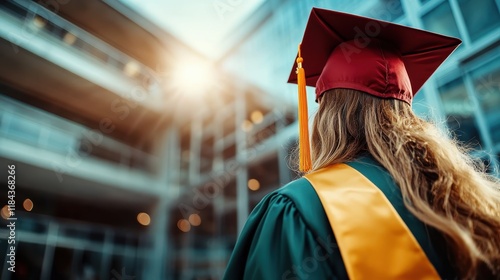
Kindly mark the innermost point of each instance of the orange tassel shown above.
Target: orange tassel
(304, 147)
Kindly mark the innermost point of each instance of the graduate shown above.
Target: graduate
(385, 194)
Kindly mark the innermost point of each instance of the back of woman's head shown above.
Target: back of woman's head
(441, 184)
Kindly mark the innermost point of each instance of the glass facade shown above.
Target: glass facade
(459, 112)
(441, 20)
(480, 23)
(486, 84)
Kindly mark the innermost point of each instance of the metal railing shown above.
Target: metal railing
(35, 231)
(37, 19)
(34, 127)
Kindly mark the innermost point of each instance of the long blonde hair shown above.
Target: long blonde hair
(442, 186)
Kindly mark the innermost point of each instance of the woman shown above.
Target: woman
(386, 195)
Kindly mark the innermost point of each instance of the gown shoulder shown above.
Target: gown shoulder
(287, 236)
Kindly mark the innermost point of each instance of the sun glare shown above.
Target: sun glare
(193, 77)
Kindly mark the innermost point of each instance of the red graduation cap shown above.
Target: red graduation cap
(380, 58)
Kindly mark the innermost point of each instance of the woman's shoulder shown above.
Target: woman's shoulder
(297, 190)
(302, 195)
(286, 233)
(296, 200)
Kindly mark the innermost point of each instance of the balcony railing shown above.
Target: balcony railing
(38, 21)
(34, 127)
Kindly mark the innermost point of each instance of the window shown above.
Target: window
(460, 113)
(23, 129)
(420, 105)
(441, 20)
(487, 86)
(480, 17)
(59, 141)
(388, 10)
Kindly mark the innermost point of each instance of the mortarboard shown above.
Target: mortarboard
(380, 58)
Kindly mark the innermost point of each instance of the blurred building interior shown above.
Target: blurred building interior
(137, 153)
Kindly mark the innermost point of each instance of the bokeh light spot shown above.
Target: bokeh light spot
(69, 38)
(5, 213)
(247, 126)
(195, 219)
(253, 184)
(143, 219)
(39, 22)
(257, 117)
(184, 225)
(131, 68)
(28, 204)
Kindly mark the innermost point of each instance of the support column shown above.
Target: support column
(429, 88)
(218, 133)
(107, 253)
(241, 174)
(283, 156)
(481, 121)
(195, 151)
(159, 263)
(50, 246)
(158, 232)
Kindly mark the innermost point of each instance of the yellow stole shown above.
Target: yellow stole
(374, 241)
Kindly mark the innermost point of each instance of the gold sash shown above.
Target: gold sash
(374, 241)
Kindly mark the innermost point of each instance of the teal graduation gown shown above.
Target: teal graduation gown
(288, 235)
